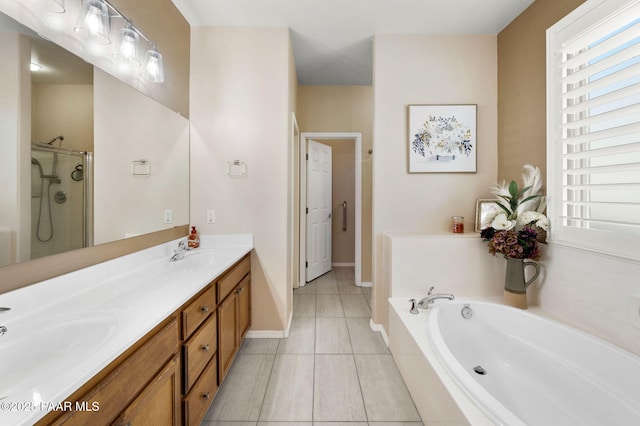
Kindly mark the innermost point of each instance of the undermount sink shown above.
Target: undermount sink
(42, 349)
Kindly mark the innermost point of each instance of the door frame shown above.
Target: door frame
(356, 137)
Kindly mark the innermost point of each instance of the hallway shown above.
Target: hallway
(332, 367)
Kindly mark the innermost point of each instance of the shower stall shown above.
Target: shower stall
(61, 199)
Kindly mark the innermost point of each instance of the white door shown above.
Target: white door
(318, 210)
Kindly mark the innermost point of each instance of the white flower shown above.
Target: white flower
(501, 223)
(535, 218)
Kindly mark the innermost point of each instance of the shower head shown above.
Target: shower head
(52, 140)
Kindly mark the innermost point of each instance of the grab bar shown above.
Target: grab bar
(344, 216)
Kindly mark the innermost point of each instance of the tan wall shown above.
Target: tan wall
(522, 110)
(343, 157)
(240, 111)
(293, 191)
(344, 109)
(424, 69)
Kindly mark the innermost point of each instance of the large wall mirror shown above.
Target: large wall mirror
(85, 158)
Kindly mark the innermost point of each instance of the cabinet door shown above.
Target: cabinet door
(244, 307)
(159, 403)
(227, 340)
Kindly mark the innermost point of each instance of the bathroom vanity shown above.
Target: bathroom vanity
(161, 338)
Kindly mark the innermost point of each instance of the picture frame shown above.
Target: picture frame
(484, 208)
(442, 138)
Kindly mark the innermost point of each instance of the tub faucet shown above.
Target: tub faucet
(426, 302)
(3, 329)
(178, 254)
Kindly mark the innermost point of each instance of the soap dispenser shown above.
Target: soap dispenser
(193, 240)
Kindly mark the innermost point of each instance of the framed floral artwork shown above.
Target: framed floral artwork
(442, 138)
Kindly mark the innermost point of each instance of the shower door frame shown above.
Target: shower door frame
(87, 187)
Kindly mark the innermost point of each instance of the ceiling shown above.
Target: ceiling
(333, 39)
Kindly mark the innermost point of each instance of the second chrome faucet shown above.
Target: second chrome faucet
(426, 302)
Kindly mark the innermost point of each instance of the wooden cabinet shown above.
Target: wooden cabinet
(234, 313)
(144, 376)
(159, 403)
(171, 375)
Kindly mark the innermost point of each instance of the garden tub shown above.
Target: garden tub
(520, 368)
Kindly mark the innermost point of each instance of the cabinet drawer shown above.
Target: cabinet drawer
(197, 402)
(198, 350)
(233, 277)
(198, 311)
(118, 389)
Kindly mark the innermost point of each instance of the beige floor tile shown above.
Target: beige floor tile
(284, 424)
(337, 394)
(260, 346)
(332, 336)
(355, 305)
(366, 290)
(363, 339)
(340, 424)
(301, 338)
(289, 396)
(348, 287)
(304, 305)
(240, 397)
(345, 273)
(368, 299)
(228, 423)
(308, 288)
(386, 397)
(402, 424)
(327, 287)
(329, 305)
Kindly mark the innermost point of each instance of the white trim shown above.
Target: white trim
(271, 334)
(340, 264)
(265, 334)
(366, 284)
(357, 138)
(380, 329)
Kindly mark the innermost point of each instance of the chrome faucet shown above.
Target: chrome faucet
(178, 254)
(3, 329)
(426, 302)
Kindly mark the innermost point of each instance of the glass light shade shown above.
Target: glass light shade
(94, 21)
(153, 69)
(128, 49)
(56, 6)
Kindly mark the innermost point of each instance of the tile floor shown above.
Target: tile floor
(331, 370)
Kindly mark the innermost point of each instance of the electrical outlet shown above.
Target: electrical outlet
(211, 216)
(634, 310)
(168, 216)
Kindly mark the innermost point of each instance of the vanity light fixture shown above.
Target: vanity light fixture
(94, 21)
(35, 67)
(127, 52)
(56, 6)
(153, 69)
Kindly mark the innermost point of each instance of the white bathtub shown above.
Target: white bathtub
(536, 371)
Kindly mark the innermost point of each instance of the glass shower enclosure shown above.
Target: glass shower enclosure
(61, 200)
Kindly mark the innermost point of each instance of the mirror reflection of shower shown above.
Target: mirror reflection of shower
(61, 208)
(53, 179)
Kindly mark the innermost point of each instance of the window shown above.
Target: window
(593, 127)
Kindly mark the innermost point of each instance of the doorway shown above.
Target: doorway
(355, 139)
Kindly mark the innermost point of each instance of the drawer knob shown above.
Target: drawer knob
(205, 309)
(206, 395)
(205, 348)
(239, 290)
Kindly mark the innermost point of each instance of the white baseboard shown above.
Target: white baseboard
(380, 329)
(366, 284)
(271, 334)
(343, 264)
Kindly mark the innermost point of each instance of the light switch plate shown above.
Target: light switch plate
(168, 216)
(211, 216)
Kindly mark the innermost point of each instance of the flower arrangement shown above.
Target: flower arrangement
(519, 225)
(440, 136)
(522, 244)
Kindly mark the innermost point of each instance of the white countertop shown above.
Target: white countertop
(63, 331)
